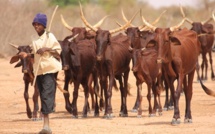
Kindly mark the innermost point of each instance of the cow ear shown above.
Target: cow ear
(14, 59)
(19, 64)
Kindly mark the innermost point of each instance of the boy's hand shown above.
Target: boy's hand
(42, 50)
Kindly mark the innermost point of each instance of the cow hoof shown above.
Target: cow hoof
(160, 113)
(123, 115)
(134, 110)
(75, 116)
(84, 116)
(37, 119)
(96, 115)
(171, 107)
(139, 116)
(109, 116)
(165, 109)
(175, 121)
(188, 120)
(152, 115)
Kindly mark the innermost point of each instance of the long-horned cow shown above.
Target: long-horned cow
(178, 53)
(113, 60)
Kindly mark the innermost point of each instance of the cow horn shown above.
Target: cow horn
(177, 26)
(13, 45)
(120, 25)
(124, 18)
(213, 16)
(182, 11)
(153, 23)
(148, 24)
(72, 38)
(124, 26)
(143, 48)
(85, 21)
(206, 21)
(65, 24)
(130, 48)
(100, 22)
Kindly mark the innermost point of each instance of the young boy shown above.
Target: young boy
(45, 48)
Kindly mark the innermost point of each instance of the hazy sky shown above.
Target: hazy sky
(161, 3)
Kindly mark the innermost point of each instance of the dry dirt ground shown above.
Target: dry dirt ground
(13, 118)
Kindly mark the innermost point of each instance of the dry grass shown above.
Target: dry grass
(16, 18)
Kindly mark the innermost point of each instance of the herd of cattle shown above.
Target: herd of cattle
(97, 59)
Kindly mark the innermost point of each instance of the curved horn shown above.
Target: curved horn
(72, 38)
(100, 22)
(153, 23)
(13, 45)
(148, 25)
(206, 21)
(120, 25)
(65, 24)
(213, 16)
(85, 21)
(124, 18)
(182, 11)
(124, 26)
(189, 20)
(177, 26)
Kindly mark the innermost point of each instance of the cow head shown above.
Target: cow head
(65, 53)
(25, 61)
(103, 36)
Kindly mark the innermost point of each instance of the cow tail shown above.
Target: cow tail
(207, 90)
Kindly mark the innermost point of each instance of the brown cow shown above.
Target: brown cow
(178, 53)
(83, 33)
(82, 58)
(113, 60)
(28, 76)
(205, 32)
(145, 69)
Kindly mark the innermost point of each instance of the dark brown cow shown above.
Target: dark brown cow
(178, 53)
(83, 33)
(82, 58)
(113, 60)
(28, 76)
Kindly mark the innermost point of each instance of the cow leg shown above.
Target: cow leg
(26, 97)
(96, 92)
(188, 97)
(91, 91)
(75, 97)
(86, 94)
(36, 106)
(211, 63)
(140, 97)
(203, 65)
(67, 95)
(136, 104)
(153, 87)
(126, 74)
(149, 99)
(158, 92)
(206, 68)
(101, 101)
(176, 117)
(119, 78)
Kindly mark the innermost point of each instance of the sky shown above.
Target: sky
(165, 3)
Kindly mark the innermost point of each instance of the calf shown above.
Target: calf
(28, 76)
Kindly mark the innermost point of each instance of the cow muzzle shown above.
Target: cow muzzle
(159, 61)
(25, 71)
(66, 67)
(98, 58)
